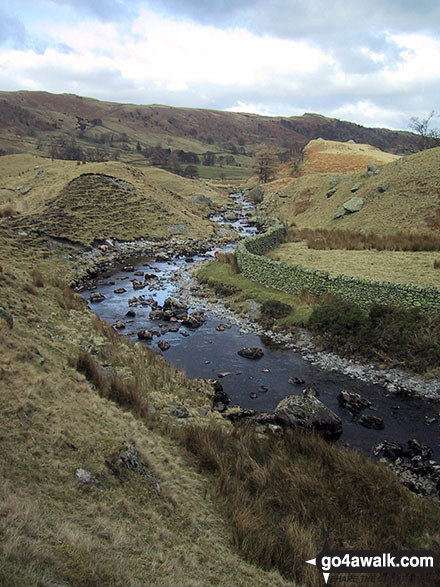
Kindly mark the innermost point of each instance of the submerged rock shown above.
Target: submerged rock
(372, 422)
(251, 353)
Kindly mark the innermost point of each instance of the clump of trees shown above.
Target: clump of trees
(68, 149)
(265, 164)
(429, 137)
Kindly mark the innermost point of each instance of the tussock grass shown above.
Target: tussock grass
(7, 211)
(436, 263)
(320, 238)
(286, 496)
(37, 277)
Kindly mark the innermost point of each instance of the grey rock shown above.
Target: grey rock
(382, 188)
(179, 412)
(130, 459)
(353, 402)
(96, 297)
(309, 413)
(163, 345)
(341, 211)
(354, 204)
(334, 180)
(356, 187)
(373, 169)
(119, 324)
(145, 334)
(87, 478)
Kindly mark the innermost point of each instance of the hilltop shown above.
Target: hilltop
(402, 195)
(34, 122)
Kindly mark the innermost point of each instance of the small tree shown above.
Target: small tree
(429, 137)
(265, 163)
(191, 171)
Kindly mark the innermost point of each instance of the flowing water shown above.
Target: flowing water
(207, 352)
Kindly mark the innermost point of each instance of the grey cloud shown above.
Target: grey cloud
(12, 31)
(105, 10)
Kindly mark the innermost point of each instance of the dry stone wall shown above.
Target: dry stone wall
(292, 278)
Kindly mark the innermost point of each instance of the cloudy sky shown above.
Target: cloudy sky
(374, 62)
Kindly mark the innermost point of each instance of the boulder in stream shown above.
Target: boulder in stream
(353, 402)
(309, 413)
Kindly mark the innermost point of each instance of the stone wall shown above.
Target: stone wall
(293, 279)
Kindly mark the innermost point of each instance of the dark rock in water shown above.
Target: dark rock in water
(145, 334)
(221, 327)
(253, 395)
(372, 422)
(130, 314)
(163, 345)
(120, 290)
(223, 374)
(119, 324)
(309, 413)
(251, 353)
(418, 449)
(173, 329)
(179, 412)
(353, 401)
(296, 380)
(138, 284)
(189, 260)
(221, 397)
(413, 466)
(129, 268)
(139, 273)
(263, 389)
(194, 320)
(96, 297)
(174, 309)
(156, 315)
(133, 301)
(184, 333)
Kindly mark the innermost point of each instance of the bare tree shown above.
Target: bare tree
(265, 163)
(429, 137)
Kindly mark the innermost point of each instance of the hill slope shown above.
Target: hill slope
(403, 196)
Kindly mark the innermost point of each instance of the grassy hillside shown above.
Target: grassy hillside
(100, 200)
(403, 196)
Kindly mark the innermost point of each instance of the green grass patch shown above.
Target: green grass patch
(236, 289)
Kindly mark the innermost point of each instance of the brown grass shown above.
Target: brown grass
(321, 238)
(68, 299)
(285, 496)
(229, 259)
(7, 210)
(301, 207)
(437, 264)
(37, 277)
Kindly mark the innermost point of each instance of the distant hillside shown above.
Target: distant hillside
(403, 195)
(34, 121)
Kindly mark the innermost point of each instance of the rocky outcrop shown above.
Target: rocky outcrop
(412, 465)
(130, 459)
(308, 413)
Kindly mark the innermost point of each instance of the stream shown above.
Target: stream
(207, 353)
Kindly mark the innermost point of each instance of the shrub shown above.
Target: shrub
(437, 264)
(37, 278)
(275, 309)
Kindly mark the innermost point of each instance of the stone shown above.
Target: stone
(295, 380)
(174, 309)
(373, 169)
(310, 391)
(145, 334)
(96, 297)
(309, 413)
(382, 188)
(354, 204)
(130, 314)
(235, 414)
(417, 448)
(7, 317)
(253, 395)
(194, 320)
(372, 422)
(138, 284)
(223, 374)
(120, 290)
(131, 460)
(353, 401)
(252, 353)
(163, 345)
(129, 268)
(330, 193)
(334, 180)
(119, 324)
(356, 187)
(341, 211)
(179, 412)
(87, 478)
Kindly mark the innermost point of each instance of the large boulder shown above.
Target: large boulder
(307, 412)
(354, 204)
(194, 320)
